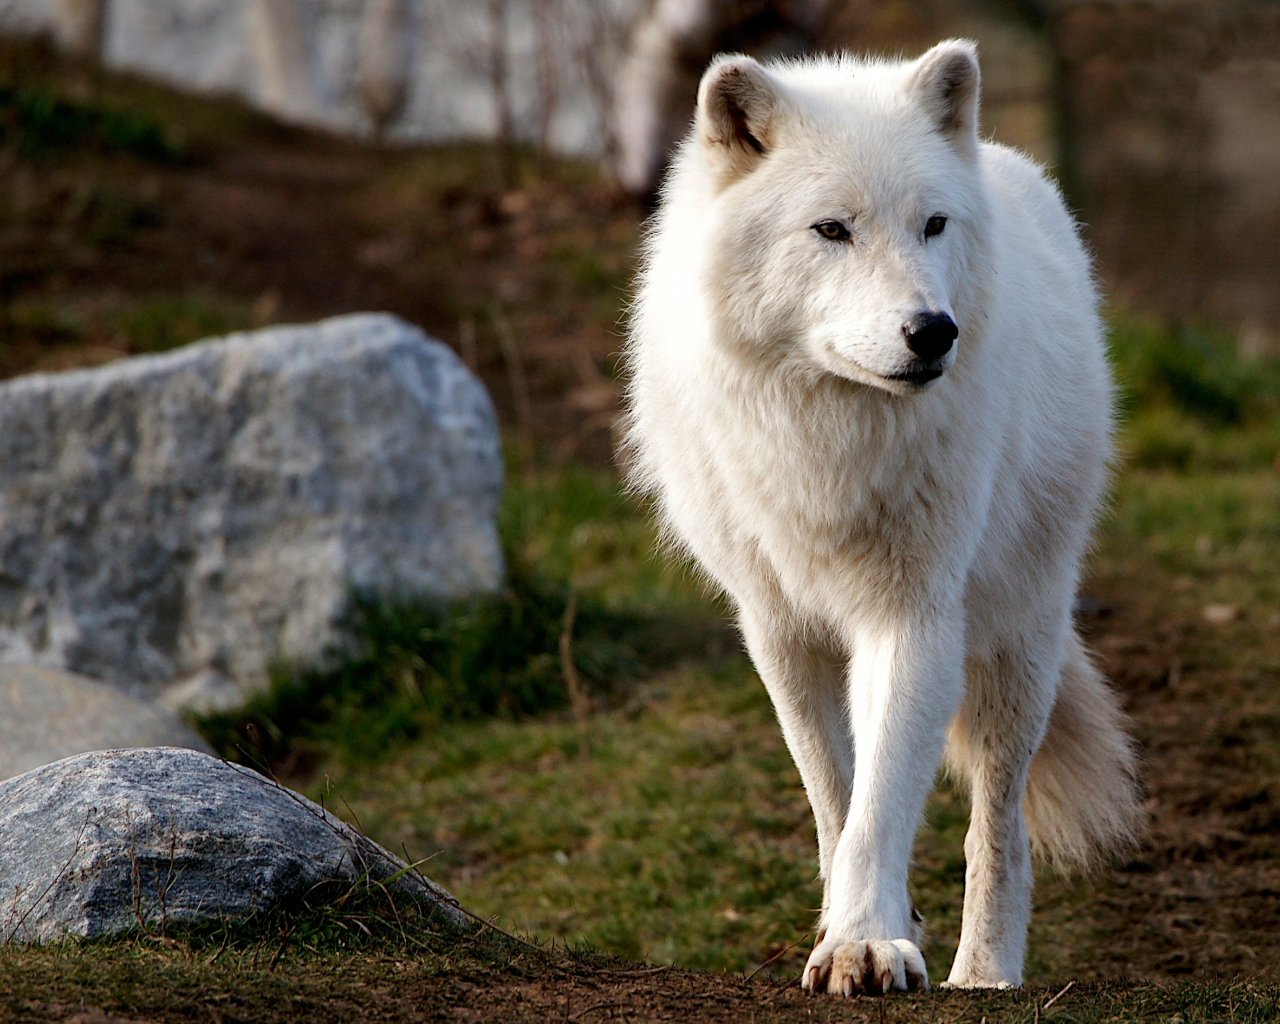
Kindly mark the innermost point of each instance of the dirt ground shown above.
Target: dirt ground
(163, 986)
(1203, 895)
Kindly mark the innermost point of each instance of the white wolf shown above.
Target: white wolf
(869, 392)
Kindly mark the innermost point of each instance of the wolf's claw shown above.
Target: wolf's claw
(873, 968)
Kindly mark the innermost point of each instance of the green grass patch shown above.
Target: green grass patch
(1219, 531)
(157, 323)
(39, 323)
(115, 325)
(35, 120)
(682, 836)
(1189, 401)
(55, 108)
(418, 665)
(582, 581)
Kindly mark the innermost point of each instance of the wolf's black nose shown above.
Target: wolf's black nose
(929, 335)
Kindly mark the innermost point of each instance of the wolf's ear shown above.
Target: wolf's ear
(737, 110)
(947, 82)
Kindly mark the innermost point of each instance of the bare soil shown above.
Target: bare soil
(1203, 895)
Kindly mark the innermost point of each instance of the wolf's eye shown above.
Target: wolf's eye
(934, 225)
(833, 230)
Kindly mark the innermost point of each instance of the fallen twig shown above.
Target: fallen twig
(226, 935)
(594, 1006)
(636, 970)
(1059, 995)
(285, 935)
(776, 956)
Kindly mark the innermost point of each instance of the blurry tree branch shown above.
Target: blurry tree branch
(385, 59)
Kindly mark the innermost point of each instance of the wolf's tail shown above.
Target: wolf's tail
(1083, 800)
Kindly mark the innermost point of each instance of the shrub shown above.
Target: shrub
(415, 665)
(1192, 370)
(1188, 400)
(33, 120)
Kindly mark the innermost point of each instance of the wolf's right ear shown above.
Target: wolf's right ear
(737, 108)
(947, 81)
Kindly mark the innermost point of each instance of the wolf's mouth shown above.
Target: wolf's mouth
(922, 376)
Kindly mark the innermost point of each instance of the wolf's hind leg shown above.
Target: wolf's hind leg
(991, 743)
(804, 676)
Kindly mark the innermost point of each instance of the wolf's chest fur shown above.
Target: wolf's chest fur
(838, 492)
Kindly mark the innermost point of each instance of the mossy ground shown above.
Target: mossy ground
(146, 984)
(361, 961)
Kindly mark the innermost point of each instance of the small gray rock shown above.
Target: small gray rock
(183, 520)
(46, 715)
(98, 843)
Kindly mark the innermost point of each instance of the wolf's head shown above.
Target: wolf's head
(847, 215)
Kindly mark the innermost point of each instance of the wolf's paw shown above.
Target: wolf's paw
(870, 967)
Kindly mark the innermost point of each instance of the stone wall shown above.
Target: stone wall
(426, 70)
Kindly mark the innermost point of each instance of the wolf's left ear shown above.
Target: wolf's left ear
(737, 110)
(947, 82)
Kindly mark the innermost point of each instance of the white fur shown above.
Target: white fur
(902, 556)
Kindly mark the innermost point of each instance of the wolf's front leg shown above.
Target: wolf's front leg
(805, 681)
(906, 680)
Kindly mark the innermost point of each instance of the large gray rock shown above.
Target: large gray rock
(99, 843)
(46, 715)
(182, 520)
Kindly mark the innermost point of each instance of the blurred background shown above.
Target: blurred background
(1161, 120)
(171, 171)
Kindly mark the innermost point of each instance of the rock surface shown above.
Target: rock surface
(183, 520)
(46, 715)
(95, 844)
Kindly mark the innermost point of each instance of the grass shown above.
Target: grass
(680, 833)
(75, 333)
(262, 978)
(1190, 401)
(351, 956)
(51, 108)
(419, 666)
